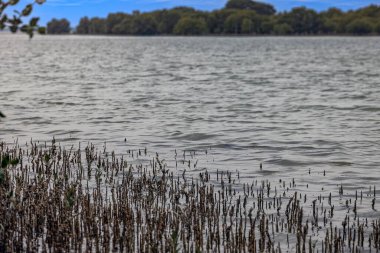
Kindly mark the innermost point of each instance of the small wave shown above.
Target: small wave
(358, 97)
(287, 162)
(29, 118)
(370, 108)
(226, 146)
(341, 163)
(195, 137)
(344, 108)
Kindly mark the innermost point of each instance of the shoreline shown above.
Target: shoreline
(207, 36)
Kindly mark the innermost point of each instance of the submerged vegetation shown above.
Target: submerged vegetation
(237, 17)
(68, 199)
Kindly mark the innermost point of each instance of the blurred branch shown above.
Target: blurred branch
(15, 22)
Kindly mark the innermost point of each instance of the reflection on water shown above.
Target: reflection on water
(290, 103)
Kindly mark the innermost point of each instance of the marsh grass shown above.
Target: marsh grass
(56, 199)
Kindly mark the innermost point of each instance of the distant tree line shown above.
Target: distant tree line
(237, 17)
(58, 26)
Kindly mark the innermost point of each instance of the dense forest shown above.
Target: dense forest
(237, 17)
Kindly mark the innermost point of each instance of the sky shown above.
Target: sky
(73, 10)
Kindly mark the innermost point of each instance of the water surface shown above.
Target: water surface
(289, 103)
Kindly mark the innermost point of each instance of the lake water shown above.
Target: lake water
(289, 103)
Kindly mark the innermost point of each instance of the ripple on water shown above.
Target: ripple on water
(251, 100)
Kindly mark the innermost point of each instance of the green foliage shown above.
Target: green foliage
(144, 24)
(167, 21)
(238, 17)
(191, 26)
(267, 26)
(97, 26)
(303, 20)
(217, 20)
(84, 26)
(258, 7)
(245, 22)
(61, 26)
(113, 20)
(41, 30)
(377, 28)
(247, 26)
(233, 23)
(360, 27)
(329, 26)
(16, 21)
(372, 11)
(282, 29)
(124, 27)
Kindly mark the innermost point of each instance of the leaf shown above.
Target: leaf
(4, 19)
(24, 28)
(15, 21)
(13, 2)
(27, 10)
(40, 1)
(28, 30)
(2, 6)
(34, 21)
(41, 30)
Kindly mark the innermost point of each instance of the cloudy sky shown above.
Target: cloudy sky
(75, 9)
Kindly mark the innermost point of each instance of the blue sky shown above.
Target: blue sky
(75, 9)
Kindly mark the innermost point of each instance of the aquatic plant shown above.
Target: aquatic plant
(49, 203)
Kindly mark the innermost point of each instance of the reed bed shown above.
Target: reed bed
(57, 199)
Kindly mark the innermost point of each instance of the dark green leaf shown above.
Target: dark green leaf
(24, 28)
(40, 1)
(3, 6)
(41, 30)
(15, 21)
(27, 10)
(33, 21)
(13, 28)
(4, 19)
(14, 2)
